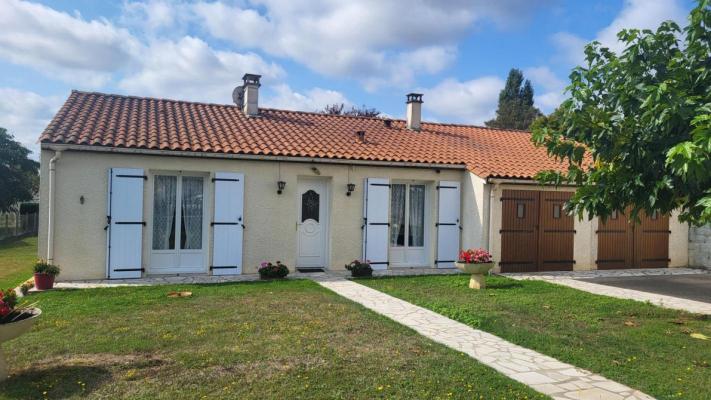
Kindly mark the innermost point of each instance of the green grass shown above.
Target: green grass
(643, 346)
(261, 340)
(17, 255)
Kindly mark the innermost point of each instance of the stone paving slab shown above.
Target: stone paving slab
(203, 278)
(544, 374)
(570, 279)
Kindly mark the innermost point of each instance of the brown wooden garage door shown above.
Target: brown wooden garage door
(621, 244)
(536, 233)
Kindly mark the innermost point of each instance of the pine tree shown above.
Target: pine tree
(516, 110)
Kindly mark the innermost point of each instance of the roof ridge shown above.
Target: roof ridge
(271, 109)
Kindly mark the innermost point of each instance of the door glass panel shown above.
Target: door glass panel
(520, 210)
(191, 208)
(164, 196)
(416, 237)
(397, 215)
(310, 204)
(556, 211)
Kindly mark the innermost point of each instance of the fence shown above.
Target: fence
(15, 224)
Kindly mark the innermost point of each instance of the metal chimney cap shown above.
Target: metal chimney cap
(251, 79)
(414, 97)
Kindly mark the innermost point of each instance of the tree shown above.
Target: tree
(516, 110)
(18, 174)
(339, 109)
(636, 130)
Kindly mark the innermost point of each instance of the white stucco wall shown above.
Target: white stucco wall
(475, 212)
(270, 219)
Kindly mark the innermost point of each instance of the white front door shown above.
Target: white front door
(178, 224)
(312, 223)
(408, 235)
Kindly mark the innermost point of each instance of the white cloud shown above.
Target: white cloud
(190, 69)
(151, 15)
(553, 87)
(314, 99)
(471, 101)
(570, 48)
(64, 46)
(635, 14)
(25, 115)
(640, 14)
(370, 40)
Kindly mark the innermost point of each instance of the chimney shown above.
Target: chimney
(250, 97)
(414, 111)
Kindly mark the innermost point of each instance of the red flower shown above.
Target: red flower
(4, 309)
(472, 256)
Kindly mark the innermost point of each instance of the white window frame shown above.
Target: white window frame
(205, 250)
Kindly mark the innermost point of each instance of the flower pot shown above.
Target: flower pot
(11, 330)
(477, 271)
(44, 281)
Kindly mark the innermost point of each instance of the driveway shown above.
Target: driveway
(693, 286)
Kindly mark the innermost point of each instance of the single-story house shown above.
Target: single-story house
(134, 186)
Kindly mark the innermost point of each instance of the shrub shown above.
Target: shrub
(25, 287)
(360, 268)
(43, 267)
(29, 208)
(9, 311)
(474, 256)
(267, 270)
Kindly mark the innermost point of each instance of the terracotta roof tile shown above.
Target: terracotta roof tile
(99, 119)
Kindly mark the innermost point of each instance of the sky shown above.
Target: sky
(309, 53)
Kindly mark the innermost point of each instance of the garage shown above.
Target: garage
(536, 232)
(627, 245)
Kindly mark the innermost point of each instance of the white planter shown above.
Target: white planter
(477, 271)
(12, 330)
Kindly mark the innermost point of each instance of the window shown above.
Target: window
(520, 210)
(654, 215)
(191, 213)
(164, 209)
(407, 215)
(556, 211)
(310, 203)
(397, 215)
(169, 208)
(613, 215)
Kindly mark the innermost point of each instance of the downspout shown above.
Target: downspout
(50, 206)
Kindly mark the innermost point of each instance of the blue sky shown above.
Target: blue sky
(310, 53)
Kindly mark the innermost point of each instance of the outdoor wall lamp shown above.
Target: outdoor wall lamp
(351, 188)
(280, 186)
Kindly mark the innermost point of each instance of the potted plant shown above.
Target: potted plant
(14, 321)
(476, 262)
(267, 270)
(45, 274)
(360, 268)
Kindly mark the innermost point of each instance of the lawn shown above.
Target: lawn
(17, 255)
(280, 340)
(643, 346)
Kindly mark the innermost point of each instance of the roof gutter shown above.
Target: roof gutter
(252, 157)
(522, 181)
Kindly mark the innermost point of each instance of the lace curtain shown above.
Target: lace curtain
(164, 212)
(417, 216)
(191, 208)
(397, 215)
